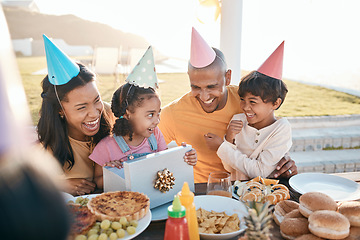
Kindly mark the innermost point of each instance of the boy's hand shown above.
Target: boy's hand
(213, 141)
(234, 128)
(116, 163)
(190, 156)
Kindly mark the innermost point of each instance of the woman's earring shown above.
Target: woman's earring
(61, 116)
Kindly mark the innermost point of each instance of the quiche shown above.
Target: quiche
(114, 205)
(83, 219)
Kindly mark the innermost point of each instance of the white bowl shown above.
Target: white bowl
(220, 204)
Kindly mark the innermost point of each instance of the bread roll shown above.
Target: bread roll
(291, 228)
(329, 224)
(351, 210)
(294, 214)
(283, 208)
(354, 234)
(314, 201)
(308, 237)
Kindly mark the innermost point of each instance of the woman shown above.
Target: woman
(73, 119)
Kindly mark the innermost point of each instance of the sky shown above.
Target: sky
(165, 24)
(321, 36)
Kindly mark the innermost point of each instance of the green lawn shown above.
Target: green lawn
(302, 100)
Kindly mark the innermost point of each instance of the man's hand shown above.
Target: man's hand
(234, 128)
(285, 168)
(213, 141)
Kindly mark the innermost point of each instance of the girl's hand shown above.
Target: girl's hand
(79, 186)
(190, 156)
(234, 128)
(213, 141)
(116, 163)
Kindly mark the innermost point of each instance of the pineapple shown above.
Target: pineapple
(258, 222)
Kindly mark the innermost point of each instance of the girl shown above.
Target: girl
(72, 120)
(135, 132)
(137, 107)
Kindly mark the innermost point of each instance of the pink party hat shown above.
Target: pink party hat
(201, 54)
(273, 65)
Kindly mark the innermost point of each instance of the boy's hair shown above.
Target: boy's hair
(128, 97)
(267, 88)
(52, 129)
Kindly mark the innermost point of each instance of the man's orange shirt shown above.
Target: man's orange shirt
(184, 120)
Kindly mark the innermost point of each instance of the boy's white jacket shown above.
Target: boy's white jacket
(256, 152)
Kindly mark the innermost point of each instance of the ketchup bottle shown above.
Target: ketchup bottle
(187, 200)
(176, 227)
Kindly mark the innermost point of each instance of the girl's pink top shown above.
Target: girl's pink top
(108, 150)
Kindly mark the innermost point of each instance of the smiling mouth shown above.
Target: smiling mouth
(92, 125)
(208, 101)
(151, 129)
(250, 115)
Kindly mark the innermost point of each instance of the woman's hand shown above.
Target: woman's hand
(79, 186)
(190, 156)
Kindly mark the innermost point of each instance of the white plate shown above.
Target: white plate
(219, 204)
(160, 213)
(234, 195)
(142, 223)
(338, 188)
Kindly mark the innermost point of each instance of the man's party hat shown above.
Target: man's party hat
(273, 65)
(144, 74)
(201, 54)
(61, 69)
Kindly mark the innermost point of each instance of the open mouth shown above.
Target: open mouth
(248, 115)
(93, 125)
(151, 129)
(208, 102)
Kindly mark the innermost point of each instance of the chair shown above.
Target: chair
(106, 61)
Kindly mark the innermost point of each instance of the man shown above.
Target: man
(208, 107)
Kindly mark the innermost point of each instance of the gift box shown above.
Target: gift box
(141, 174)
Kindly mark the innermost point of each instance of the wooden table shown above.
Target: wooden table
(156, 229)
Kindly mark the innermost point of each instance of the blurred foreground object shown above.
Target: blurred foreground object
(31, 206)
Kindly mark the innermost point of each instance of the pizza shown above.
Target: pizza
(83, 219)
(114, 205)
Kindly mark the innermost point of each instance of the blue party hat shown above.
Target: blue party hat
(61, 69)
(144, 74)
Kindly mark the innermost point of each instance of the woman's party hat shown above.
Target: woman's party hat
(201, 54)
(61, 69)
(144, 74)
(273, 65)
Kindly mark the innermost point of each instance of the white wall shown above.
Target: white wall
(321, 39)
(23, 46)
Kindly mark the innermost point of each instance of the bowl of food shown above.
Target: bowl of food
(260, 190)
(219, 217)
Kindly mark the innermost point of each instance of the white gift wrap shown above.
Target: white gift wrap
(139, 175)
